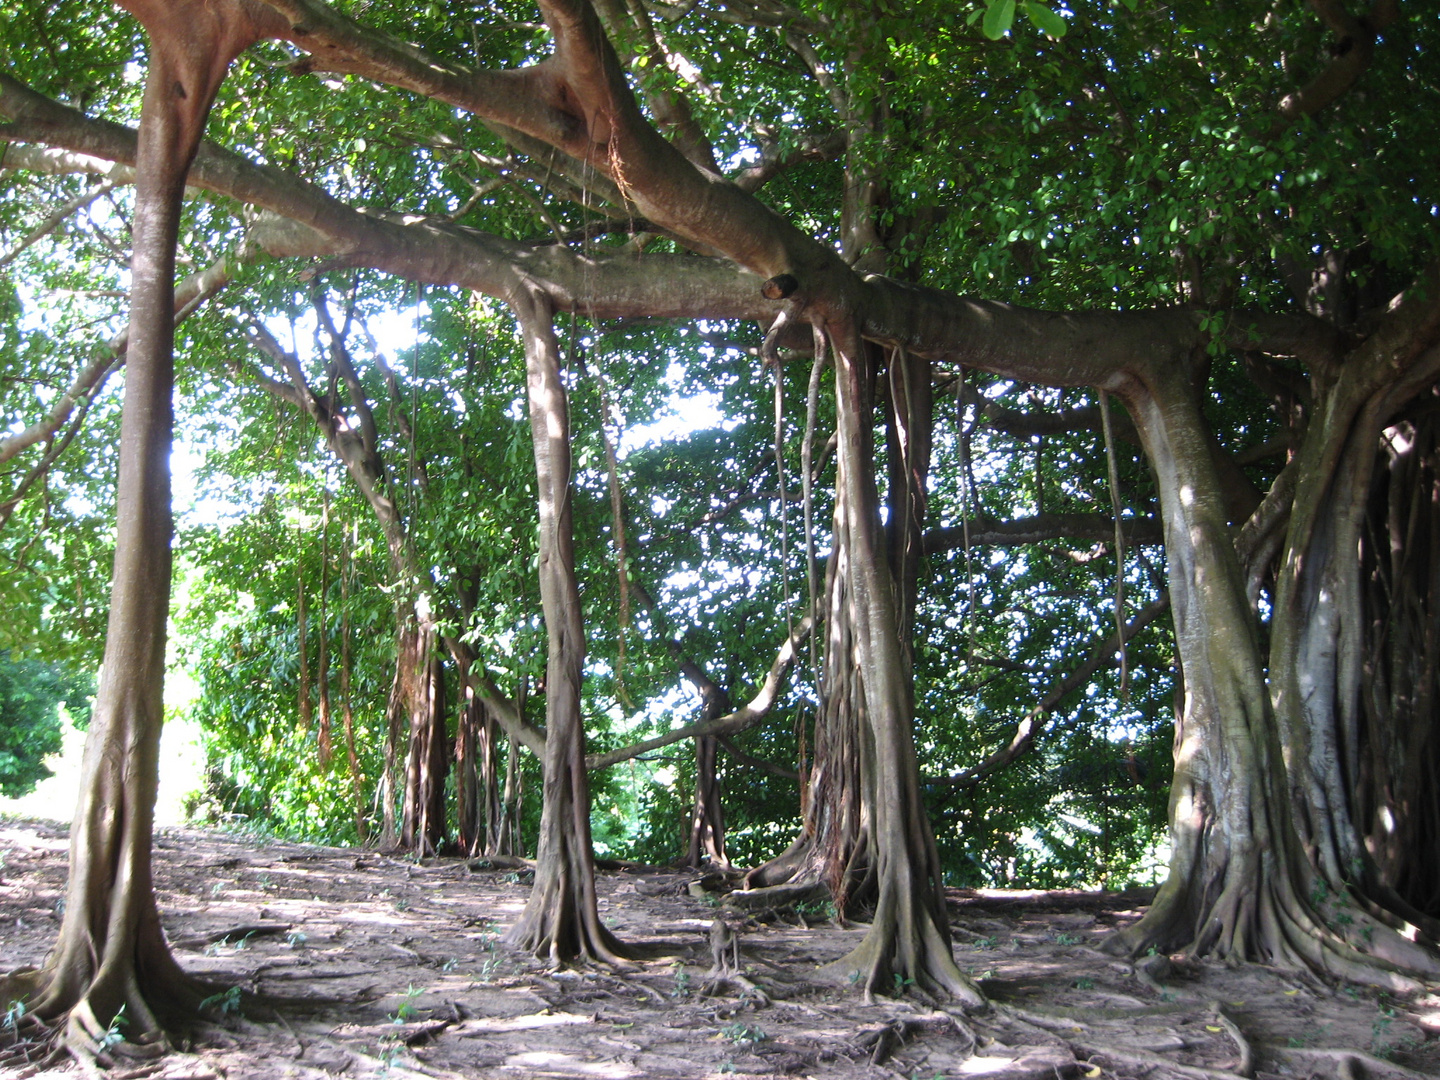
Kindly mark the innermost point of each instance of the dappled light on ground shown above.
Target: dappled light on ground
(369, 966)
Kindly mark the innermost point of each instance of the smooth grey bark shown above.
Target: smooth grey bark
(561, 921)
(111, 953)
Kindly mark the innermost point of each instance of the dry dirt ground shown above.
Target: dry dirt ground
(369, 966)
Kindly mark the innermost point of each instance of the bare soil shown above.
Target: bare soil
(355, 964)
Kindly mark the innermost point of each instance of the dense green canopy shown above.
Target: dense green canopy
(1150, 257)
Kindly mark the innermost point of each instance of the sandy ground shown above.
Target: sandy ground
(369, 966)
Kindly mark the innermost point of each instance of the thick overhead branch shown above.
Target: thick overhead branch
(1034, 530)
(309, 222)
(1351, 56)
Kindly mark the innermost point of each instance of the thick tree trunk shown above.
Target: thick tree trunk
(836, 846)
(1397, 760)
(1262, 841)
(111, 961)
(1232, 871)
(422, 827)
(488, 739)
(509, 840)
(477, 794)
(469, 817)
(833, 849)
(1318, 664)
(396, 721)
(909, 938)
(561, 921)
(707, 815)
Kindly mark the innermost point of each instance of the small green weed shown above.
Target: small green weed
(816, 910)
(225, 1003)
(682, 982)
(13, 1015)
(115, 1033)
(296, 939)
(1381, 1044)
(1084, 984)
(743, 1034)
(985, 943)
(901, 983)
(1067, 939)
(407, 1010)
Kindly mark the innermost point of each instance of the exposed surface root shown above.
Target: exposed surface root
(1349, 1063)
(777, 897)
(454, 1002)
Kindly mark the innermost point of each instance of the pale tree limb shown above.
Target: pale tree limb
(742, 719)
(1030, 727)
(189, 294)
(54, 221)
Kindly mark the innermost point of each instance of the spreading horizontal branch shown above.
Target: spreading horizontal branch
(1102, 653)
(733, 723)
(1034, 530)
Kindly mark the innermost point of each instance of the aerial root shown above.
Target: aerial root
(885, 1039)
(1245, 1066)
(28, 1044)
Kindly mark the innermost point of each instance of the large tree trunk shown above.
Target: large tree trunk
(1396, 764)
(1318, 661)
(707, 815)
(396, 719)
(561, 921)
(833, 849)
(1232, 871)
(111, 954)
(836, 847)
(1260, 819)
(470, 814)
(908, 942)
(422, 827)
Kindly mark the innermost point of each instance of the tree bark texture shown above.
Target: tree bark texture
(1396, 759)
(477, 790)
(111, 954)
(909, 938)
(1267, 861)
(422, 827)
(707, 816)
(561, 921)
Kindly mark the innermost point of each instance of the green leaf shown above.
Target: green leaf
(998, 17)
(1045, 20)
